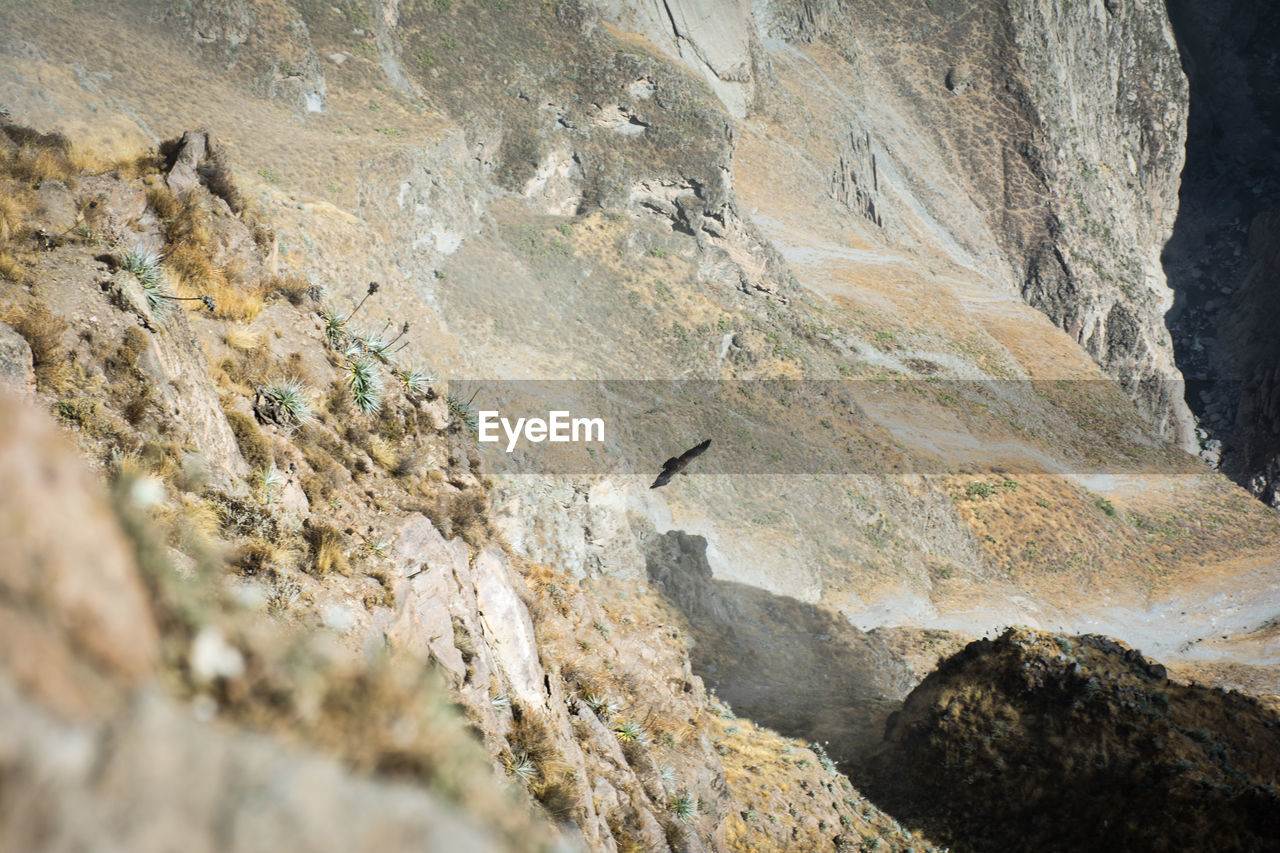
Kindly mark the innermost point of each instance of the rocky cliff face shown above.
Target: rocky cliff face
(1067, 123)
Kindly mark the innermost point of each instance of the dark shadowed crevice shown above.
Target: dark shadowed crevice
(1223, 260)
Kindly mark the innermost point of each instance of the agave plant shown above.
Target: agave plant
(631, 732)
(602, 707)
(365, 384)
(683, 806)
(463, 411)
(335, 324)
(267, 479)
(523, 768)
(374, 346)
(335, 328)
(145, 265)
(289, 399)
(666, 777)
(413, 382)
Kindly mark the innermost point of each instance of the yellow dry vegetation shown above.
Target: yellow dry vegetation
(768, 773)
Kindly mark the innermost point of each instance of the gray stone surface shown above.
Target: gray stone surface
(16, 370)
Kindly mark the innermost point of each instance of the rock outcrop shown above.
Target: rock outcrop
(1066, 743)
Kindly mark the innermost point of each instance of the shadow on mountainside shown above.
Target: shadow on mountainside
(794, 667)
(1223, 257)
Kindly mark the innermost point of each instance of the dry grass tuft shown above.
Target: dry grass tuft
(15, 208)
(217, 176)
(197, 276)
(293, 287)
(11, 269)
(555, 787)
(328, 551)
(255, 558)
(43, 331)
(189, 242)
(240, 338)
(254, 446)
(32, 157)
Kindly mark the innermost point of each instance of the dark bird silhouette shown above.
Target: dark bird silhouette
(677, 464)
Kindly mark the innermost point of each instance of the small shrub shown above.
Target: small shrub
(1106, 506)
(978, 490)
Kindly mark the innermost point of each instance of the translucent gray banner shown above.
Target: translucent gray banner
(833, 426)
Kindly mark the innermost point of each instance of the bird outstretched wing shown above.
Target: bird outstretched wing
(677, 464)
(694, 452)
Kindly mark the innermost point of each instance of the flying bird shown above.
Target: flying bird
(677, 464)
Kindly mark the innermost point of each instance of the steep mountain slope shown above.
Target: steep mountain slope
(297, 552)
(809, 232)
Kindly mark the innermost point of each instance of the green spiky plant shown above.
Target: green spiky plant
(267, 481)
(683, 806)
(290, 399)
(377, 547)
(463, 411)
(145, 266)
(365, 384)
(413, 382)
(523, 768)
(335, 324)
(631, 732)
(602, 707)
(666, 777)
